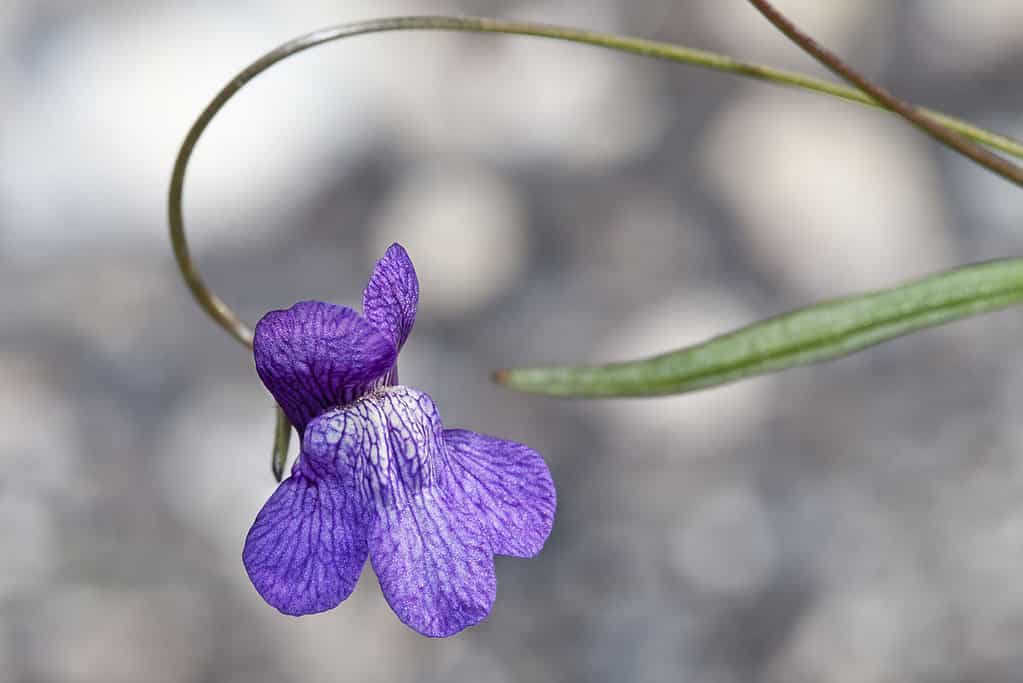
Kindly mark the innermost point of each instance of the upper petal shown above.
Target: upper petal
(507, 484)
(307, 547)
(314, 356)
(434, 564)
(392, 294)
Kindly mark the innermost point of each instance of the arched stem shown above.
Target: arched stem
(227, 319)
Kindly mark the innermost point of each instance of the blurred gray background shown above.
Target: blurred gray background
(854, 522)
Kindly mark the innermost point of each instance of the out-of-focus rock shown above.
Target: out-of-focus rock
(726, 545)
(829, 198)
(466, 227)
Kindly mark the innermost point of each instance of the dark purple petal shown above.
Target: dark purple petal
(307, 547)
(388, 443)
(315, 356)
(391, 296)
(434, 563)
(507, 484)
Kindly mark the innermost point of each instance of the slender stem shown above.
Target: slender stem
(227, 319)
(918, 118)
(282, 439)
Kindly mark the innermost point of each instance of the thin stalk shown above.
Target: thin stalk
(918, 118)
(233, 325)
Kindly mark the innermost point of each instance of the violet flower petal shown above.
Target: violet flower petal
(387, 443)
(315, 356)
(507, 484)
(392, 295)
(431, 553)
(434, 564)
(307, 547)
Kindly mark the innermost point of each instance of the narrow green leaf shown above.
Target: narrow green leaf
(282, 439)
(808, 335)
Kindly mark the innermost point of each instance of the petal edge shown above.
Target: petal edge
(307, 547)
(507, 483)
(315, 356)
(434, 564)
(392, 295)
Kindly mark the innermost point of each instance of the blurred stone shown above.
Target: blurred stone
(625, 564)
(121, 634)
(831, 198)
(635, 224)
(214, 463)
(643, 639)
(962, 36)
(981, 523)
(106, 301)
(361, 640)
(7, 663)
(595, 15)
(38, 435)
(27, 532)
(532, 101)
(14, 21)
(845, 535)
(993, 207)
(135, 79)
(464, 228)
(843, 27)
(869, 635)
(469, 664)
(727, 545)
(990, 555)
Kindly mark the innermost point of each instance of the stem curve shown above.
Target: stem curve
(222, 314)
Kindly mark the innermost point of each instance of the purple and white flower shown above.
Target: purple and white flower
(379, 476)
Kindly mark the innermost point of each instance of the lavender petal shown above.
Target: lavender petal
(388, 443)
(392, 295)
(507, 484)
(434, 564)
(431, 553)
(314, 356)
(308, 545)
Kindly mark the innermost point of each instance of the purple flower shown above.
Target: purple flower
(378, 474)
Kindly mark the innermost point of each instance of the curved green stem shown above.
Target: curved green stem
(238, 329)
